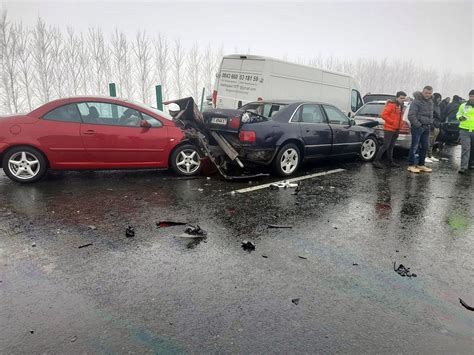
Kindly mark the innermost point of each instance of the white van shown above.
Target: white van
(246, 78)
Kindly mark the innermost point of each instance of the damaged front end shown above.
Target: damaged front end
(208, 131)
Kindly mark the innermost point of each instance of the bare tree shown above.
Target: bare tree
(208, 69)
(72, 58)
(143, 57)
(9, 56)
(85, 70)
(194, 72)
(122, 64)
(99, 60)
(43, 59)
(178, 68)
(162, 60)
(25, 64)
(60, 69)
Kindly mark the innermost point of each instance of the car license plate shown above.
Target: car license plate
(219, 120)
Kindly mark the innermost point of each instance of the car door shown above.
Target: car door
(346, 137)
(112, 135)
(59, 132)
(315, 131)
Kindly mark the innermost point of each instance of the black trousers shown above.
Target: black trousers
(389, 140)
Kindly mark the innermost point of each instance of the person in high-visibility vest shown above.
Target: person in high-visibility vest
(465, 116)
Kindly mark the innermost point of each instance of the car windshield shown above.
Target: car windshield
(266, 109)
(371, 110)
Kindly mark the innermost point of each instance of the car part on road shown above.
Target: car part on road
(164, 224)
(195, 230)
(85, 245)
(276, 226)
(302, 257)
(248, 246)
(295, 301)
(130, 232)
(283, 185)
(465, 305)
(403, 271)
(24, 164)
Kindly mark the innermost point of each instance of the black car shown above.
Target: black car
(284, 133)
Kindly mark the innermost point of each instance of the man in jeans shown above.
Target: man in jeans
(392, 115)
(420, 116)
(466, 132)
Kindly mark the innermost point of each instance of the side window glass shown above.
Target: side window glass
(66, 113)
(311, 114)
(153, 121)
(356, 101)
(109, 114)
(335, 116)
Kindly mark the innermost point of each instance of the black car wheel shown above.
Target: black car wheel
(186, 160)
(287, 160)
(24, 164)
(368, 149)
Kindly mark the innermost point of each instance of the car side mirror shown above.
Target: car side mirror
(145, 124)
(349, 114)
(352, 122)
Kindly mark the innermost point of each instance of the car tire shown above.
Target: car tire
(287, 160)
(369, 149)
(24, 164)
(186, 160)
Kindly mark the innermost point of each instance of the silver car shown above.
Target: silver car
(371, 112)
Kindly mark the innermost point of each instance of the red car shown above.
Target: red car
(93, 133)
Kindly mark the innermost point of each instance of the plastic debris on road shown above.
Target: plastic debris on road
(403, 271)
(248, 246)
(283, 185)
(130, 232)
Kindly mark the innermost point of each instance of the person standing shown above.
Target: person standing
(392, 115)
(434, 129)
(443, 107)
(465, 116)
(420, 115)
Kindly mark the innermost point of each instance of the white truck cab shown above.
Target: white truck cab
(246, 78)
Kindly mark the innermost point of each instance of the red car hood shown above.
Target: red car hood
(17, 118)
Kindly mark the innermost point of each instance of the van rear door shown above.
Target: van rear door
(240, 80)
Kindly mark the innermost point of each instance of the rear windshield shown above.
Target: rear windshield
(370, 98)
(264, 109)
(371, 110)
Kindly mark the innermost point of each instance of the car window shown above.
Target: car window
(371, 110)
(151, 120)
(309, 114)
(264, 109)
(66, 113)
(335, 116)
(104, 113)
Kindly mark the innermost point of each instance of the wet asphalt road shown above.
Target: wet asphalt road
(160, 293)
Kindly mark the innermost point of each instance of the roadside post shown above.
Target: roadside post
(159, 97)
(202, 97)
(112, 90)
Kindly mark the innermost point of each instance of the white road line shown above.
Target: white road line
(304, 177)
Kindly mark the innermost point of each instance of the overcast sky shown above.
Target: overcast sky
(437, 34)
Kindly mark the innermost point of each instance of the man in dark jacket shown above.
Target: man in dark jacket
(434, 130)
(420, 116)
(452, 109)
(442, 107)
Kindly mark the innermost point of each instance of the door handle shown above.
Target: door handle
(89, 132)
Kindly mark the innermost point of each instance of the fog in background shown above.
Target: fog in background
(53, 49)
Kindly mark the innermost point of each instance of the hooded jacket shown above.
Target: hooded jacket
(436, 112)
(392, 115)
(421, 111)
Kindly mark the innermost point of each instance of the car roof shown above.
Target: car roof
(288, 102)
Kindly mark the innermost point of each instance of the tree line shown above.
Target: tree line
(41, 63)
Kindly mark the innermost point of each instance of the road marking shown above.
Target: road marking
(304, 177)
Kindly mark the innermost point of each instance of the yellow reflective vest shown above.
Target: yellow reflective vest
(466, 111)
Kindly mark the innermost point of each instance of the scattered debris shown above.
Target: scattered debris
(355, 264)
(465, 305)
(73, 339)
(200, 190)
(164, 224)
(302, 257)
(232, 193)
(195, 230)
(248, 246)
(283, 185)
(265, 256)
(130, 232)
(444, 159)
(85, 245)
(208, 178)
(297, 190)
(396, 251)
(33, 244)
(92, 227)
(403, 271)
(295, 301)
(32, 332)
(276, 226)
